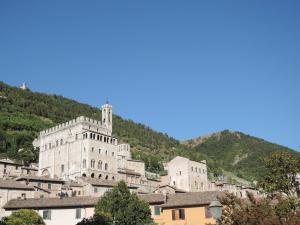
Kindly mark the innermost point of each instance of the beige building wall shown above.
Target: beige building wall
(187, 175)
(193, 216)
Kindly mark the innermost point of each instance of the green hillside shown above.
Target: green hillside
(236, 152)
(24, 113)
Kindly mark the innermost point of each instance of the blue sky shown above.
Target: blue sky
(186, 68)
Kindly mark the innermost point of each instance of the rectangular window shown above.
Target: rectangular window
(207, 213)
(181, 214)
(47, 214)
(62, 167)
(156, 210)
(49, 186)
(178, 214)
(78, 214)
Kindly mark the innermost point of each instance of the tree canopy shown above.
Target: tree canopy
(24, 217)
(119, 206)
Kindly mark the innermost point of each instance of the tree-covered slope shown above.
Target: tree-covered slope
(236, 152)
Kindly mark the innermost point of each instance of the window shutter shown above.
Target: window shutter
(173, 214)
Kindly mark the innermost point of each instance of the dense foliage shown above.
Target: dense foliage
(24, 113)
(119, 206)
(281, 177)
(23, 217)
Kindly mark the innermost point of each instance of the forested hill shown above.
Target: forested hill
(24, 113)
(236, 152)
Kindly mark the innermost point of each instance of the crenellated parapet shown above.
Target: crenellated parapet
(78, 120)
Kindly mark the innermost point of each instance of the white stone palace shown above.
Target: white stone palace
(84, 147)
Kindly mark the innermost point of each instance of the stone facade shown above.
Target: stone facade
(186, 174)
(86, 147)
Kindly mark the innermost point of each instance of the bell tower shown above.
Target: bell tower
(107, 116)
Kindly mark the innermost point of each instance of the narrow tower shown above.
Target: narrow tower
(107, 116)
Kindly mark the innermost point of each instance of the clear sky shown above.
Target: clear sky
(186, 68)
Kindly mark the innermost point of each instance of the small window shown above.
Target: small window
(84, 163)
(113, 154)
(100, 165)
(76, 136)
(62, 168)
(49, 186)
(192, 169)
(39, 184)
(156, 210)
(61, 142)
(92, 149)
(178, 214)
(106, 166)
(47, 214)
(92, 163)
(99, 151)
(105, 152)
(95, 190)
(78, 214)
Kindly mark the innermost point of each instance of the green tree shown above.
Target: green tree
(24, 217)
(119, 206)
(281, 177)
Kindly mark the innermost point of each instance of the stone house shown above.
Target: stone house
(49, 187)
(186, 174)
(54, 211)
(10, 189)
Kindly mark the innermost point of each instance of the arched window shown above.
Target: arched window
(61, 142)
(93, 163)
(106, 178)
(100, 165)
(100, 176)
(106, 166)
(113, 178)
(84, 163)
(84, 175)
(99, 151)
(92, 175)
(105, 152)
